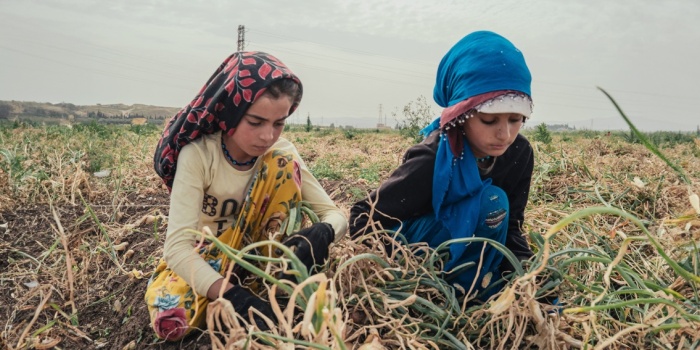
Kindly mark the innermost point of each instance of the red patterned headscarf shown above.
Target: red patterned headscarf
(220, 105)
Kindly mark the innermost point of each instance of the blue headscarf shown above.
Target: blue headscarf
(481, 62)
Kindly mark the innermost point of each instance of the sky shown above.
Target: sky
(360, 61)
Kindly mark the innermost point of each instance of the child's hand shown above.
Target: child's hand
(311, 244)
(242, 300)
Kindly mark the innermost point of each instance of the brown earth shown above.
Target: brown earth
(100, 305)
(111, 312)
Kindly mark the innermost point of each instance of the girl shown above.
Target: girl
(471, 175)
(228, 170)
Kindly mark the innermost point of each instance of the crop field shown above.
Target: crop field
(615, 228)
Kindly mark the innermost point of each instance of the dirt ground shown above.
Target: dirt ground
(113, 238)
(99, 323)
(110, 309)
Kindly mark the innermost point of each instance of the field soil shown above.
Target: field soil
(111, 313)
(77, 248)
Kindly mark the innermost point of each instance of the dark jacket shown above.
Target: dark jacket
(407, 193)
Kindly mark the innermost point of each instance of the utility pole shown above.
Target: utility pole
(380, 115)
(241, 38)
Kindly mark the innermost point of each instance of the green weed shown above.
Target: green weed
(322, 169)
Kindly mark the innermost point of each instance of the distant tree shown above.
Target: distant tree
(56, 114)
(5, 110)
(416, 115)
(308, 123)
(69, 106)
(34, 111)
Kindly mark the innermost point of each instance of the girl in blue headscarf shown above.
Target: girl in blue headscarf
(470, 177)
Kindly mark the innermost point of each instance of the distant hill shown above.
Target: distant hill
(69, 113)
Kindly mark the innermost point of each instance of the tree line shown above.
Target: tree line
(67, 110)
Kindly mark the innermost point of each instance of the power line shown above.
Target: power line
(89, 51)
(422, 63)
(76, 40)
(103, 61)
(591, 87)
(349, 63)
(356, 75)
(354, 63)
(82, 68)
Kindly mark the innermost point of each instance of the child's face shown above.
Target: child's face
(260, 127)
(492, 134)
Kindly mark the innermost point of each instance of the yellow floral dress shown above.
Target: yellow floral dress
(174, 308)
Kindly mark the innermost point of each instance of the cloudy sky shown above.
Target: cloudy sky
(354, 56)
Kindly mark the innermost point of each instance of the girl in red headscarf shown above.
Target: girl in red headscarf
(228, 169)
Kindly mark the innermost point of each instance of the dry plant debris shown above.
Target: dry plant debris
(611, 222)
